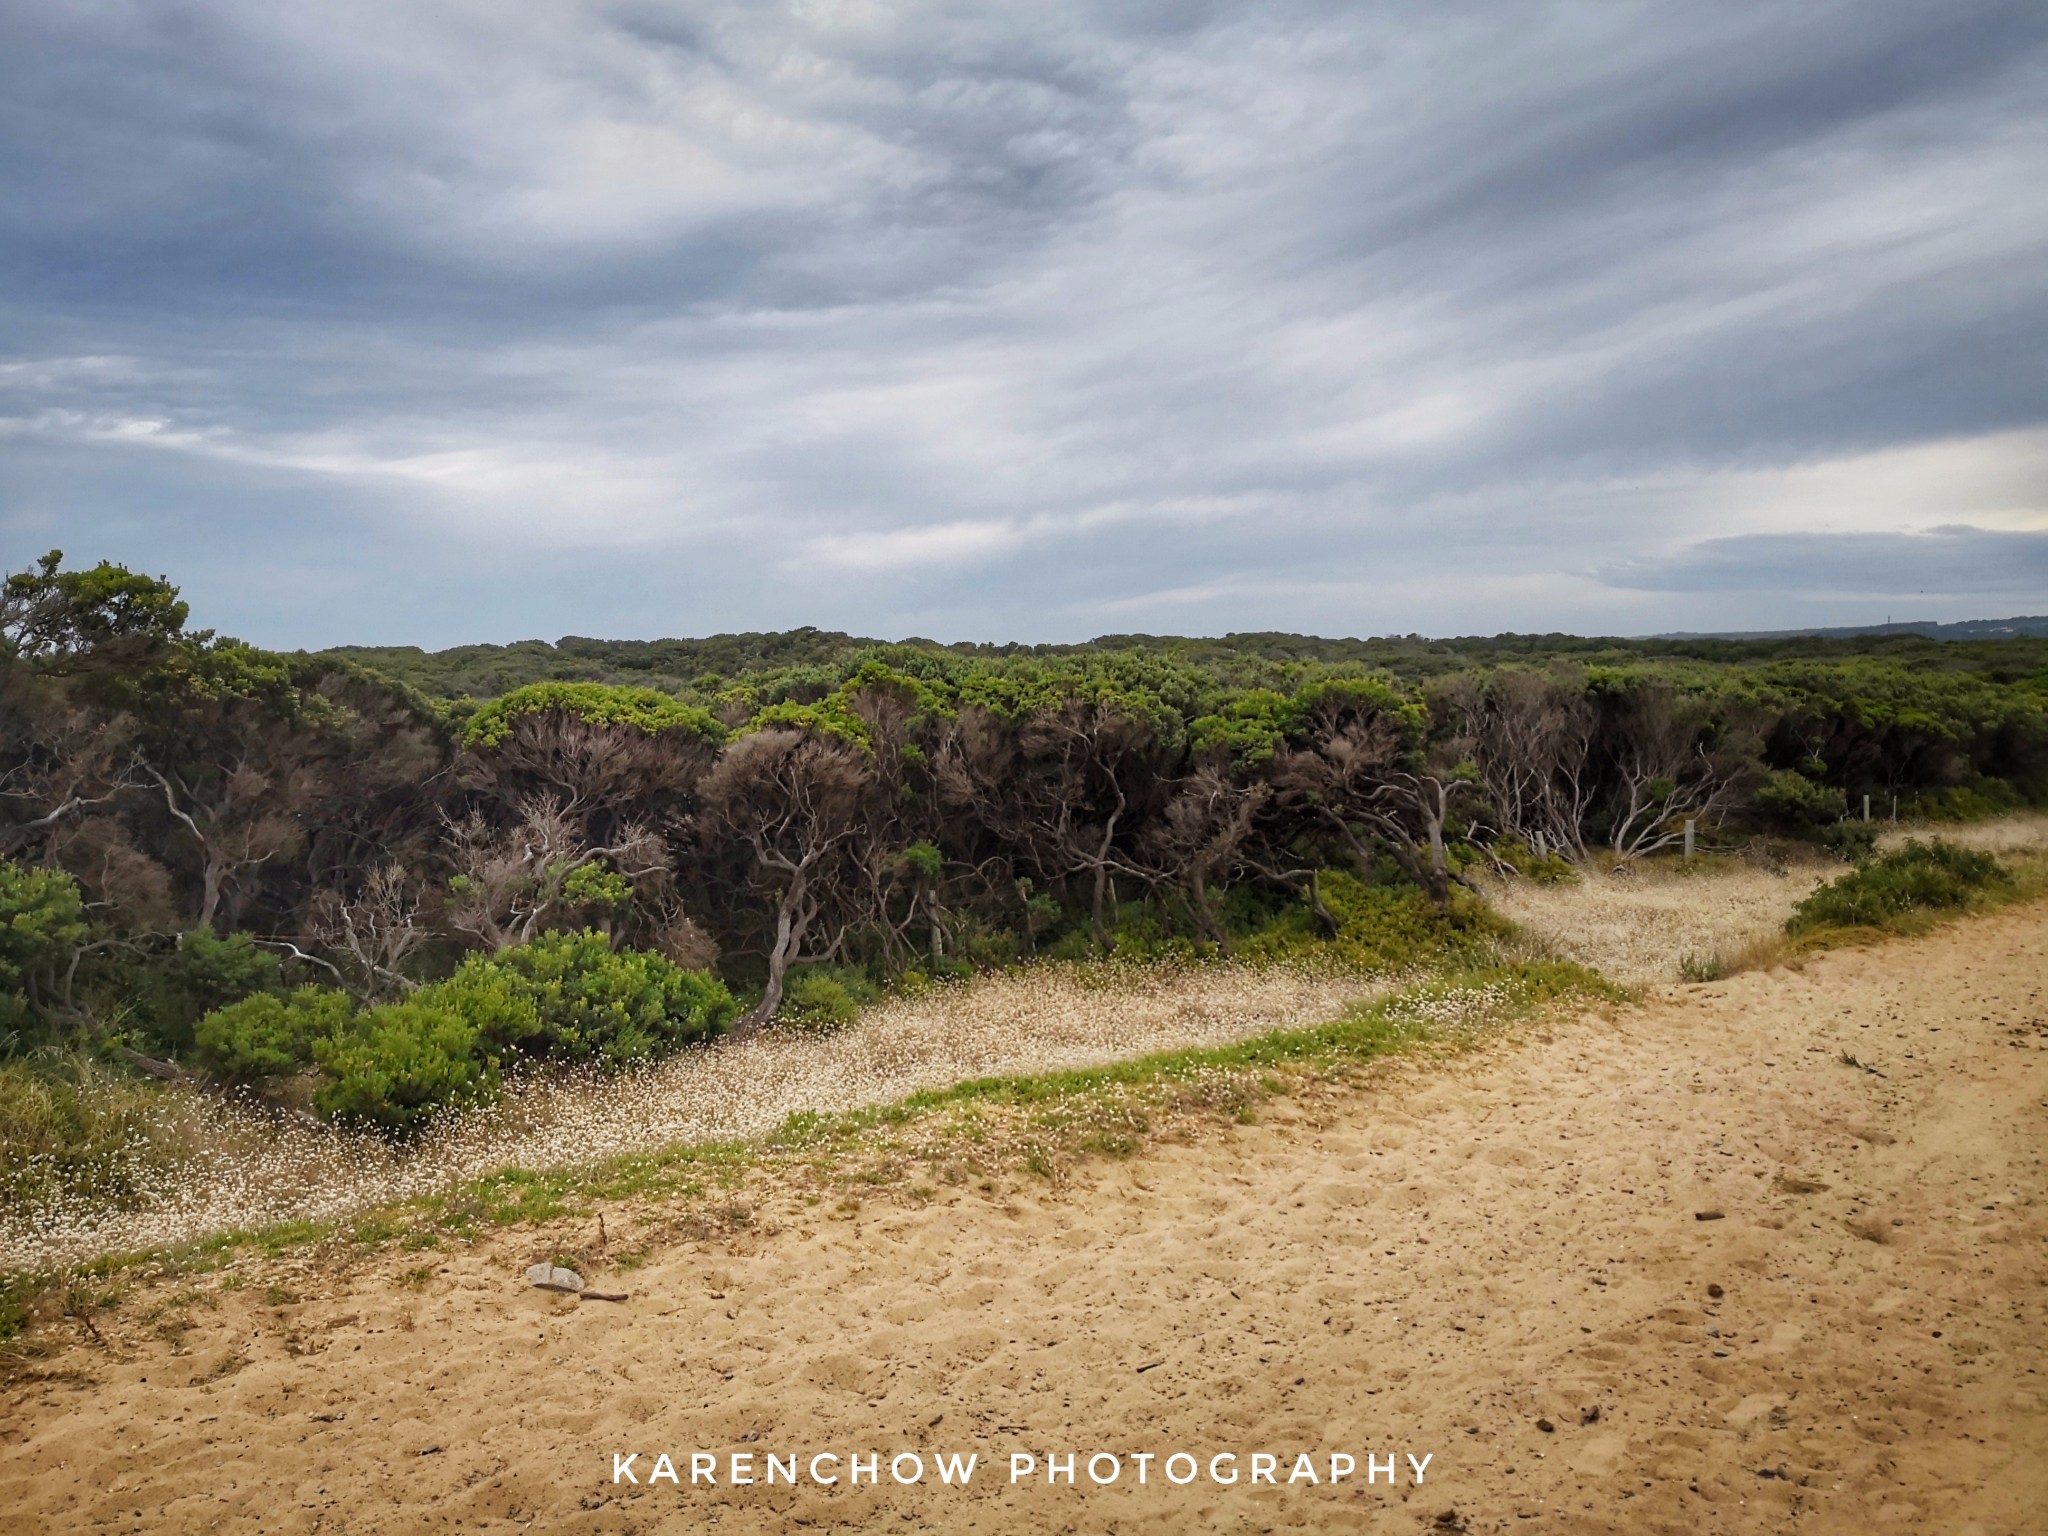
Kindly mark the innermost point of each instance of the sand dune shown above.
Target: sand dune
(1439, 1263)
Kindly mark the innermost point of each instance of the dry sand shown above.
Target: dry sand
(1431, 1264)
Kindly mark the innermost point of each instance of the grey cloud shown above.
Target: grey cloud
(1947, 561)
(937, 315)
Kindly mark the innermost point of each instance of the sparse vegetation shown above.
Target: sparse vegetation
(1700, 968)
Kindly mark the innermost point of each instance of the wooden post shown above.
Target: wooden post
(1866, 807)
(1688, 838)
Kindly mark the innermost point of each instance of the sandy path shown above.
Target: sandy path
(1427, 1266)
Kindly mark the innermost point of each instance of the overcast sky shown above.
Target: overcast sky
(427, 321)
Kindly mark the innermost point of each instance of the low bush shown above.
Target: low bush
(497, 1004)
(828, 997)
(1379, 928)
(1853, 840)
(1546, 868)
(42, 923)
(268, 1034)
(396, 1067)
(593, 1002)
(1920, 877)
(1699, 968)
(1816, 813)
(565, 997)
(1975, 801)
(1798, 805)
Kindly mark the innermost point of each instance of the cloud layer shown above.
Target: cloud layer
(460, 319)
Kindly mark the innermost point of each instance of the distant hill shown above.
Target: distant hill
(2035, 625)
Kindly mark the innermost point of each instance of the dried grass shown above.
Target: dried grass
(1668, 921)
(2025, 832)
(1641, 928)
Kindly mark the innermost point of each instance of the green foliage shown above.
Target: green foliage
(565, 997)
(589, 1001)
(1380, 928)
(1798, 804)
(42, 923)
(1701, 968)
(1247, 728)
(642, 708)
(597, 889)
(268, 1035)
(1965, 802)
(1818, 813)
(821, 997)
(828, 717)
(1920, 877)
(493, 1001)
(923, 861)
(50, 613)
(1523, 860)
(204, 973)
(1853, 840)
(396, 1067)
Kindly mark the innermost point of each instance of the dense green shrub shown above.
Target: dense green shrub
(42, 923)
(1965, 802)
(204, 973)
(397, 1066)
(1798, 805)
(591, 1001)
(1853, 840)
(827, 997)
(1790, 802)
(1918, 877)
(645, 709)
(1544, 869)
(495, 1002)
(566, 997)
(267, 1034)
(1379, 927)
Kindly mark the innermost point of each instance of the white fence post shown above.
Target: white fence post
(1688, 838)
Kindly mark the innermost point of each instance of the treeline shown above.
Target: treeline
(188, 822)
(703, 667)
